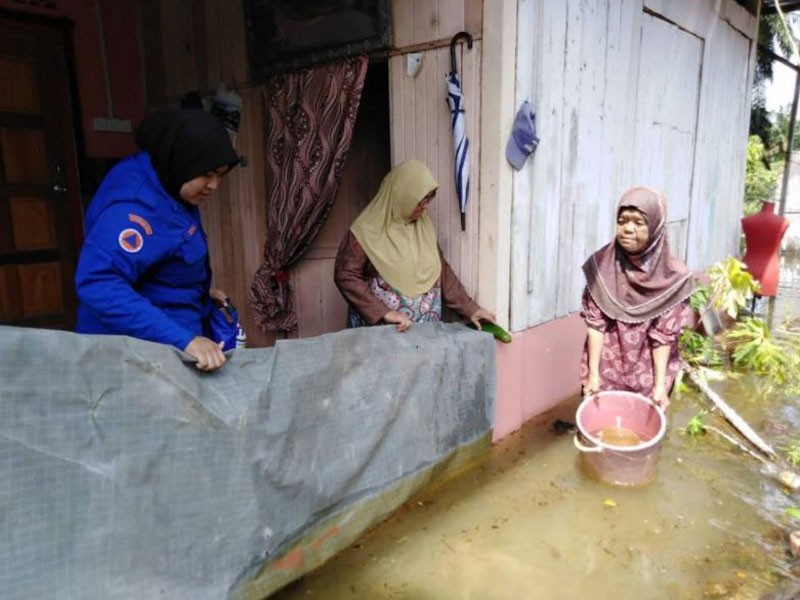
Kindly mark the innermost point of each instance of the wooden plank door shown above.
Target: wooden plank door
(40, 223)
(666, 119)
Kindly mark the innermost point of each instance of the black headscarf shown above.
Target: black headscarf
(184, 144)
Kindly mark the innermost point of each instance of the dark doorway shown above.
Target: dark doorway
(319, 305)
(40, 218)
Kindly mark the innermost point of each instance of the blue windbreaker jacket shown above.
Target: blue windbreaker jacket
(143, 270)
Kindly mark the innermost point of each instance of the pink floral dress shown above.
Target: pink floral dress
(626, 361)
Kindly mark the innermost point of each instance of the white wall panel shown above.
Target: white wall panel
(666, 118)
(625, 96)
(535, 216)
(582, 131)
(721, 153)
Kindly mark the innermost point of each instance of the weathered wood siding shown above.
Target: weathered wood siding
(424, 21)
(420, 117)
(235, 219)
(192, 45)
(626, 93)
(721, 150)
(196, 44)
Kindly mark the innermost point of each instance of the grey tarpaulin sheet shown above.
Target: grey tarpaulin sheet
(125, 473)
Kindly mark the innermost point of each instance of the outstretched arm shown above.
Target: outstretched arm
(112, 261)
(455, 297)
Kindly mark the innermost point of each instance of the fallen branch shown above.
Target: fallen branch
(736, 443)
(786, 476)
(731, 415)
(782, 474)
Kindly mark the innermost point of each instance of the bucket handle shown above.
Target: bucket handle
(583, 448)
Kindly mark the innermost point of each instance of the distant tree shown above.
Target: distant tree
(772, 36)
(760, 181)
(767, 143)
(780, 132)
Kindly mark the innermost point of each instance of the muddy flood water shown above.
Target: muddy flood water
(531, 524)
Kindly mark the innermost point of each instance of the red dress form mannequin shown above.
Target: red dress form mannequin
(763, 232)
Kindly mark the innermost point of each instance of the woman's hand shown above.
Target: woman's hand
(482, 315)
(660, 396)
(592, 385)
(219, 297)
(207, 352)
(400, 320)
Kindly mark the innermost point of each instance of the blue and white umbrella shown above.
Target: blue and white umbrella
(455, 99)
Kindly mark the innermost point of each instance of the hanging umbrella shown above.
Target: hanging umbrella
(455, 98)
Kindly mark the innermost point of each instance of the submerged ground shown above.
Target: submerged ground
(530, 523)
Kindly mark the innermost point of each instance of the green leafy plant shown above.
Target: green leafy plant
(793, 511)
(700, 297)
(680, 387)
(792, 452)
(760, 180)
(696, 424)
(749, 342)
(755, 350)
(697, 349)
(731, 286)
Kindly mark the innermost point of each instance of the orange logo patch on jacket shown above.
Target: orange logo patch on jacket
(131, 240)
(141, 222)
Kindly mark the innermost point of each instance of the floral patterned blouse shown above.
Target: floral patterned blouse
(626, 361)
(369, 296)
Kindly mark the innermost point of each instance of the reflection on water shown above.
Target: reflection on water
(785, 313)
(530, 524)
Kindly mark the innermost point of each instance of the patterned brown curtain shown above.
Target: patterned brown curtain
(309, 119)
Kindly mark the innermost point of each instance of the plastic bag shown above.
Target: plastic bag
(221, 325)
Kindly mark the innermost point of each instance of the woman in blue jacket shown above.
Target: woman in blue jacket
(143, 269)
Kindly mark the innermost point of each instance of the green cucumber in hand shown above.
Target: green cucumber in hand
(497, 331)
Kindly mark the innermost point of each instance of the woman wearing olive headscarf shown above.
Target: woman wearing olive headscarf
(635, 303)
(143, 269)
(389, 267)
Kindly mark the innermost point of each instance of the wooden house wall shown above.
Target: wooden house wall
(235, 219)
(196, 44)
(626, 93)
(420, 117)
(192, 45)
(105, 30)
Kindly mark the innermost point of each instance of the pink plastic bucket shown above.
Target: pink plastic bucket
(620, 465)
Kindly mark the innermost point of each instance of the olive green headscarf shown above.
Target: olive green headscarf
(404, 253)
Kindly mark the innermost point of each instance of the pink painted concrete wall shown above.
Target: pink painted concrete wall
(124, 56)
(538, 370)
